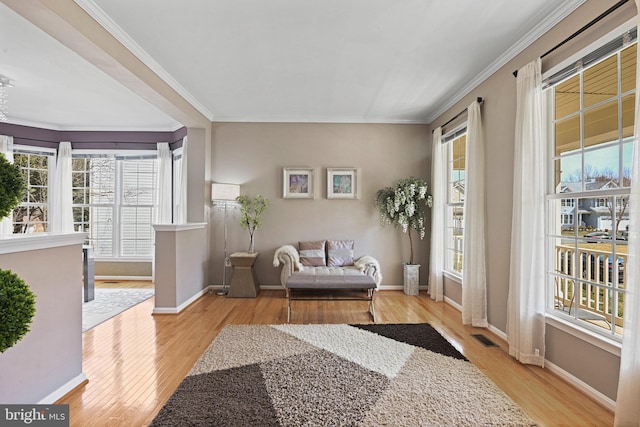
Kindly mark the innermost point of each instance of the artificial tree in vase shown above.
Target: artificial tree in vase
(404, 206)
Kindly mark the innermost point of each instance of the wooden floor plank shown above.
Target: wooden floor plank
(135, 361)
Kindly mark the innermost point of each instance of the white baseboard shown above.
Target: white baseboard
(271, 287)
(399, 288)
(453, 304)
(567, 377)
(123, 278)
(61, 391)
(279, 287)
(498, 332)
(176, 310)
(582, 386)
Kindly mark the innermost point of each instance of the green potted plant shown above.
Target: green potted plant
(405, 206)
(12, 184)
(17, 301)
(17, 308)
(251, 215)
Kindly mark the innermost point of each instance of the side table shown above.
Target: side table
(244, 283)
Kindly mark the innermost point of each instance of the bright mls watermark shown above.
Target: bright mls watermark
(34, 415)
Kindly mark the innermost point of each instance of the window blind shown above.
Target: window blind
(619, 43)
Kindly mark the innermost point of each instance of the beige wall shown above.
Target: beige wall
(253, 155)
(498, 117)
(180, 265)
(119, 269)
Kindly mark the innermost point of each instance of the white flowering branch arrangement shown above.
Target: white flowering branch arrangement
(251, 214)
(404, 205)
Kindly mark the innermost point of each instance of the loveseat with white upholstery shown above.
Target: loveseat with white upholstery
(324, 258)
(326, 265)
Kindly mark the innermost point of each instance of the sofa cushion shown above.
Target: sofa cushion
(340, 253)
(312, 254)
(331, 281)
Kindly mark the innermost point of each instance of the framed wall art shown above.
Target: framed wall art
(343, 183)
(297, 183)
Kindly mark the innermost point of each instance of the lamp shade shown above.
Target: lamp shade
(224, 192)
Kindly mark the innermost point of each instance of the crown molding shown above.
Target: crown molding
(64, 128)
(314, 119)
(564, 10)
(116, 31)
(561, 12)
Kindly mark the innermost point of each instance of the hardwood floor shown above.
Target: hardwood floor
(127, 284)
(135, 361)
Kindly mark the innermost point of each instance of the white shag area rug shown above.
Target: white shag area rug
(110, 302)
(336, 375)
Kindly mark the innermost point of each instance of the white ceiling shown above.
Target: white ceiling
(362, 61)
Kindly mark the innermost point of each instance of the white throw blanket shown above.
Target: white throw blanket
(290, 251)
(365, 261)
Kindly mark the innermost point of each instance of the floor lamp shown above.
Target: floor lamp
(224, 195)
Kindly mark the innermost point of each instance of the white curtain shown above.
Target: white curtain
(164, 192)
(474, 276)
(6, 148)
(439, 193)
(61, 215)
(182, 191)
(526, 303)
(628, 399)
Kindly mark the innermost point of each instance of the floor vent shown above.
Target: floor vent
(484, 340)
(110, 283)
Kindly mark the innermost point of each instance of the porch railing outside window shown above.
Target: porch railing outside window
(591, 127)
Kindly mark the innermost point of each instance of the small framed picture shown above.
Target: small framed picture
(343, 183)
(297, 183)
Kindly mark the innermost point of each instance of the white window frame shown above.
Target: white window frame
(176, 170)
(582, 329)
(51, 170)
(117, 200)
(90, 206)
(450, 251)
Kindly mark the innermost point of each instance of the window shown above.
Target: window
(93, 181)
(456, 146)
(137, 195)
(32, 215)
(113, 201)
(592, 120)
(600, 202)
(567, 220)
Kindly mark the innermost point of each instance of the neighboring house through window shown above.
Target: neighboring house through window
(591, 115)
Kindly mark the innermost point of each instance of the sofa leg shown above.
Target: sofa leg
(288, 306)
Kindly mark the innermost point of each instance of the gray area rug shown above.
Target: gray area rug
(109, 302)
(336, 375)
